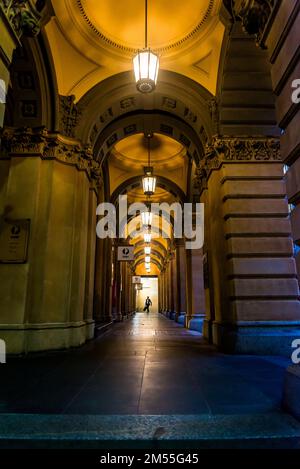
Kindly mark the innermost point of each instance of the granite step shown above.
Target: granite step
(274, 430)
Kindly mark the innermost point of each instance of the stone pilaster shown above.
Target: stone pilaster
(169, 285)
(195, 289)
(254, 281)
(181, 279)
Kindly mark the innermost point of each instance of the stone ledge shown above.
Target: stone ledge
(22, 338)
(291, 391)
(256, 338)
(272, 430)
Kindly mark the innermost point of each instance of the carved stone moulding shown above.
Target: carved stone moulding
(40, 142)
(22, 16)
(224, 149)
(254, 15)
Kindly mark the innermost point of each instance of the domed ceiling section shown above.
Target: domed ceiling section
(129, 157)
(94, 39)
(123, 27)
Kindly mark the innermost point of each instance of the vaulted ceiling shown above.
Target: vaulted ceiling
(92, 40)
(93, 43)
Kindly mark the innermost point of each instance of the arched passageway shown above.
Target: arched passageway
(218, 133)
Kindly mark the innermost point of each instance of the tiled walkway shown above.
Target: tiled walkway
(148, 365)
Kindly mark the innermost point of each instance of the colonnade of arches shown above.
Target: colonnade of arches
(61, 158)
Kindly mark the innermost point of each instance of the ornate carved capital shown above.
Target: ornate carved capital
(24, 141)
(69, 115)
(254, 15)
(22, 16)
(241, 149)
(40, 142)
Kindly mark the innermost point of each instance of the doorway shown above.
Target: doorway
(150, 288)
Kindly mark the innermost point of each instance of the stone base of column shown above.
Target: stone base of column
(207, 329)
(20, 338)
(105, 319)
(181, 318)
(291, 391)
(172, 315)
(256, 338)
(118, 317)
(195, 322)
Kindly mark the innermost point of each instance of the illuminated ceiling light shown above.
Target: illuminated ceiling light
(146, 64)
(147, 237)
(147, 265)
(146, 218)
(149, 181)
(147, 259)
(147, 250)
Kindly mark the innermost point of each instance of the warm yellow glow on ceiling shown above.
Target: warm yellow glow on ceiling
(129, 157)
(95, 39)
(168, 22)
(160, 196)
(164, 150)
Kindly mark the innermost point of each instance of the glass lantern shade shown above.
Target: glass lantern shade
(149, 184)
(147, 259)
(146, 218)
(147, 237)
(147, 265)
(146, 67)
(148, 250)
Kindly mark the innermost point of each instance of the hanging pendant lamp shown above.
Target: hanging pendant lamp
(146, 64)
(149, 181)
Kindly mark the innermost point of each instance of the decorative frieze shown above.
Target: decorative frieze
(23, 141)
(22, 16)
(234, 150)
(40, 142)
(69, 115)
(254, 15)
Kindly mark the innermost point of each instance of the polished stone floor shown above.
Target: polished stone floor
(148, 365)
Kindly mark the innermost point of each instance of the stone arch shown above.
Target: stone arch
(117, 96)
(32, 99)
(162, 182)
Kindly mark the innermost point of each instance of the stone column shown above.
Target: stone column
(90, 260)
(103, 275)
(129, 290)
(160, 302)
(163, 289)
(176, 297)
(207, 265)
(170, 289)
(255, 288)
(45, 302)
(195, 289)
(118, 291)
(172, 286)
(181, 279)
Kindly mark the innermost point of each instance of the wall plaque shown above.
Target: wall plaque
(14, 237)
(126, 253)
(136, 279)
